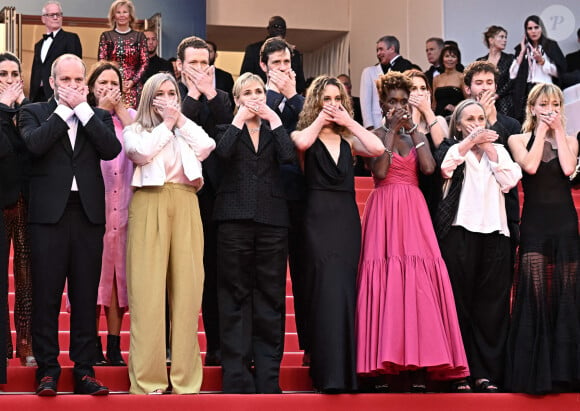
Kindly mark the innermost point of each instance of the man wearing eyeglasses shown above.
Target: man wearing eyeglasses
(251, 63)
(53, 44)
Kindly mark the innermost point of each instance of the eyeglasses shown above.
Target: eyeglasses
(53, 15)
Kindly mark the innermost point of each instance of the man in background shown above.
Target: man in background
(54, 43)
(156, 64)
(276, 28)
(433, 47)
(223, 80)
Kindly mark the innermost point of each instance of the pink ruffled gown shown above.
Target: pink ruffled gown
(406, 317)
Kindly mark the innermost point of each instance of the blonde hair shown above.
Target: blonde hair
(314, 102)
(538, 91)
(113, 9)
(147, 117)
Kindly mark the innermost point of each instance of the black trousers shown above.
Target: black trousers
(209, 308)
(71, 251)
(480, 271)
(251, 295)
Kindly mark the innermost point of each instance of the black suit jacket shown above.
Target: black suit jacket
(251, 63)
(54, 162)
(573, 61)
(225, 82)
(251, 188)
(157, 65)
(402, 64)
(15, 159)
(208, 114)
(64, 42)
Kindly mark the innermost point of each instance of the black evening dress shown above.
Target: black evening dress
(544, 338)
(447, 95)
(333, 232)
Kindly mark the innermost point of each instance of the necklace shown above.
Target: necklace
(254, 130)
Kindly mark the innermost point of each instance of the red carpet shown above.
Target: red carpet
(293, 378)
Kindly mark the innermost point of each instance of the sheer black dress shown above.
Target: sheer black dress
(333, 232)
(544, 338)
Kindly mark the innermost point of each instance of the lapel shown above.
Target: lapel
(65, 139)
(54, 46)
(265, 138)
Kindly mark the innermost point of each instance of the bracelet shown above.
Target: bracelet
(419, 145)
(433, 123)
(386, 128)
(409, 131)
(389, 153)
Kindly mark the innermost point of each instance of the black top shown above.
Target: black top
(504, 85)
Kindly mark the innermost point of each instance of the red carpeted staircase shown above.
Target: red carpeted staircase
(294, 379)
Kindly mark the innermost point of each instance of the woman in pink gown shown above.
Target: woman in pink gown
(406, 319)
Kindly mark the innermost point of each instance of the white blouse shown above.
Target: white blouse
(481, 202)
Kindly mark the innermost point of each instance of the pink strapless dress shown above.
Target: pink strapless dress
(406, 317)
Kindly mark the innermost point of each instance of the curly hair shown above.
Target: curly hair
(393, 80)
(314, 102)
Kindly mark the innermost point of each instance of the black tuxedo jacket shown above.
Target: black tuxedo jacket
(64, 42)
(251, 63)
(573, 61)
(251, 188)
(157, 65)
(402, 64)
(225, 82)
(54, 162)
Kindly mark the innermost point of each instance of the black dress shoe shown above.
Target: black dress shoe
(90, 385)
(46, 387)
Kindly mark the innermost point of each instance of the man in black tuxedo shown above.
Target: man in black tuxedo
(433, 47)
(156, 64)
(54, 43)
(251, 63)
(223, 80)
(208, 107)
(67, 140)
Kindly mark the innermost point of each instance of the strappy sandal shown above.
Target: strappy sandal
(158, 391)
(418, 389)
(486, 386)
(461, 386)
(382, 388)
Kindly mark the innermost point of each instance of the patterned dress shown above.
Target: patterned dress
(129, 50)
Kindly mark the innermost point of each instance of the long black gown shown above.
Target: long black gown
(544, 338)
(333, 230)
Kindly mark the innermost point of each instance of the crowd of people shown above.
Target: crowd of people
(165, 190)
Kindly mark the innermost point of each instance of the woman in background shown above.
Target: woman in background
(448, 86)
(105, 92)
(538, 60)
(127, 47)
(474, 239)
(433, 127)
(495, 39)
(14, 200)
(327, 138)
(544, 337)
(165, 240)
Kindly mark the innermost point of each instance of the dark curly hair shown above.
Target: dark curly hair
(393, 80)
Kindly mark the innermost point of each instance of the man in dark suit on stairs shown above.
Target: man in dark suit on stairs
(53, 44)
(67, 140)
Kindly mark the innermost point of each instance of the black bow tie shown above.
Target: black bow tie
(45, 36)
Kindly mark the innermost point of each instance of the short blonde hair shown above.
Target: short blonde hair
(540, 90)
(113, 9)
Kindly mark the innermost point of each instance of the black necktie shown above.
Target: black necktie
(45, 36)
